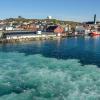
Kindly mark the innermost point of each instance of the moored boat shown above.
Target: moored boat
(95, 31)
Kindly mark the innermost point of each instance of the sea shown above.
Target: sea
(62, 69)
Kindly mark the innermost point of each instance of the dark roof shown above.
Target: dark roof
(89, 22)
(51, 28)
(20, 33)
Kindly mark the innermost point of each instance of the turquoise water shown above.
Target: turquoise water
(31, 75)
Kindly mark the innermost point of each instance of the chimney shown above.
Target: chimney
(95, 19)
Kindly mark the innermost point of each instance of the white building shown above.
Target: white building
(1, 28)
(81, 30)
(49, 17)
(9, 28)
(1, 33)
(39, 32)
(23, 35)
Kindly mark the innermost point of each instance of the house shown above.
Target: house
(56, 29)
(29, 27)
(81, 30)
(9, 28)
(1, 28)
(1, 33)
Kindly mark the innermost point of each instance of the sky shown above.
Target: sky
(75, 10)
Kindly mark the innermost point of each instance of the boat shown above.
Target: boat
(95, 32)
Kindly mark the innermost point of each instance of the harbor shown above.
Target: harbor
(50, 50)
(47, 29)
(51, 67)
(26, 36)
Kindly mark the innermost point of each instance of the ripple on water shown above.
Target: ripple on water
(35, 77)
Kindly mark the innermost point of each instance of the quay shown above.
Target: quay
(24, 36)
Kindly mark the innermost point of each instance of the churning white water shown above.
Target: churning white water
(35, 77)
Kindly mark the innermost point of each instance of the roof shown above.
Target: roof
(51, 28)
(91, 22)
(21, 33)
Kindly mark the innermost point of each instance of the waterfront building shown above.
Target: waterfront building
(26, 36)
(1, 33)
(56, 29)
(81, 30)
(9, 28)
(38, 32)
(30, 27)
(1, 28)
(18, 35)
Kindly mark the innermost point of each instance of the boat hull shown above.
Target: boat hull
(95, 34)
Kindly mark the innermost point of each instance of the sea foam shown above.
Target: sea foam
(35, 77)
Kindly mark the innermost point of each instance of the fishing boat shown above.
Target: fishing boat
(95, 31)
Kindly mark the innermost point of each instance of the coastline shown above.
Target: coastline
(13, 38)
(25, 36)
(36, 39)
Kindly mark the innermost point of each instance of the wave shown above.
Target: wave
(36, 77)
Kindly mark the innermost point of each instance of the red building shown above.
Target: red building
(29, 27)
(56, 29)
